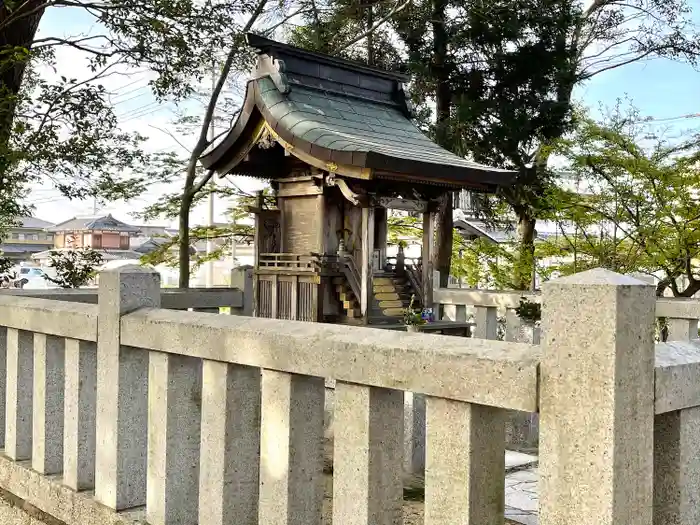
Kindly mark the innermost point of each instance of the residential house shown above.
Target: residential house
(31, 236)
(106, 235)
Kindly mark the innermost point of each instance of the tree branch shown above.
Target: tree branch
(376, 26)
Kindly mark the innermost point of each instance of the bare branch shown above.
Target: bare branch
(376, 26)
(203, 181)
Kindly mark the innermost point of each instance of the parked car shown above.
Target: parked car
(32, 278)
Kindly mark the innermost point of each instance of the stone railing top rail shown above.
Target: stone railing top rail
(476, 297)
(171, 298)
(493, 373)
(61, 318)
(677, 375)
(676, 307)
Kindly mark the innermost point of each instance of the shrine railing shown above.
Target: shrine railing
(352, 274)
(289, 262)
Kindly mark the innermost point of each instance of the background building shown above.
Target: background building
(30, 237)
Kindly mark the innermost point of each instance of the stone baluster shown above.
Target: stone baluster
(48, 404)
(174, 430)
(3, 382)
(291, 462)
(465, 463)
(242, 278)
(368, 456)
(19, 405)
(682, 329)
(122, 390)
(486, 319)
(513, 326)
(414, 434)
(455, 312)
(597, 401)
(230, 446)
(80, 412)
(677, 467)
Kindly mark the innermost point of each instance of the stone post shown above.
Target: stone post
(676, 467)
(368, 457)
(597, 401)
(80, 413)
(20, 374)
(682, 329)
(486, 319)
(291, 438)
(242, 278)
(230, 451)
(48, 402)
(465, 463)
(122, 390)
(513, 326)
(414, 434)
(174, 432)
(3, 382)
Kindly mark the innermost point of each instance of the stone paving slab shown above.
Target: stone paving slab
(521, 494)
(518, 459)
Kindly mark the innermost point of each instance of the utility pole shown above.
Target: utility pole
(233, 239)
(209, 269)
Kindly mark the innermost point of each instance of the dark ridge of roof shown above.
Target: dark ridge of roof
(33, 222)
(153, 243)
(104, 223)
(274, 48)
(9, 247)
(298, 67)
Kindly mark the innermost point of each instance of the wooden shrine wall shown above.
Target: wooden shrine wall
(269, 235)
(293, 297)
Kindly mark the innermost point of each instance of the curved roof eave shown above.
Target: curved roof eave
(449, 169)
(217, 157)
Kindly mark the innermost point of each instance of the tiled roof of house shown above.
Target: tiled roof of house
(34, 223)
(105, 223)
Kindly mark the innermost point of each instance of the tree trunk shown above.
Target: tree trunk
(442, 254)
(524, 270)
(17, 34)
(442, 259)
(184, 240)
(371, 59)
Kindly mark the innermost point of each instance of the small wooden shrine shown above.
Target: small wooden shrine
(336, 141)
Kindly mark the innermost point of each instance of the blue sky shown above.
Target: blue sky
(659, 88)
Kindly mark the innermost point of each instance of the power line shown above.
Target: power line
(670, 119)
(139, 95)
(143, 107)
(139, 88)
(144, 114)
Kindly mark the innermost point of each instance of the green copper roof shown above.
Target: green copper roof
(349, 115)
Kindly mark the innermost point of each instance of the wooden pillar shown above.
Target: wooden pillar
(257, 240)
(366, 270)
(427, 256)
(382, 227)
(257, 236)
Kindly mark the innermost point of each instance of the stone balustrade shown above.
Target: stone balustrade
(455, 304)
(123, 411)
